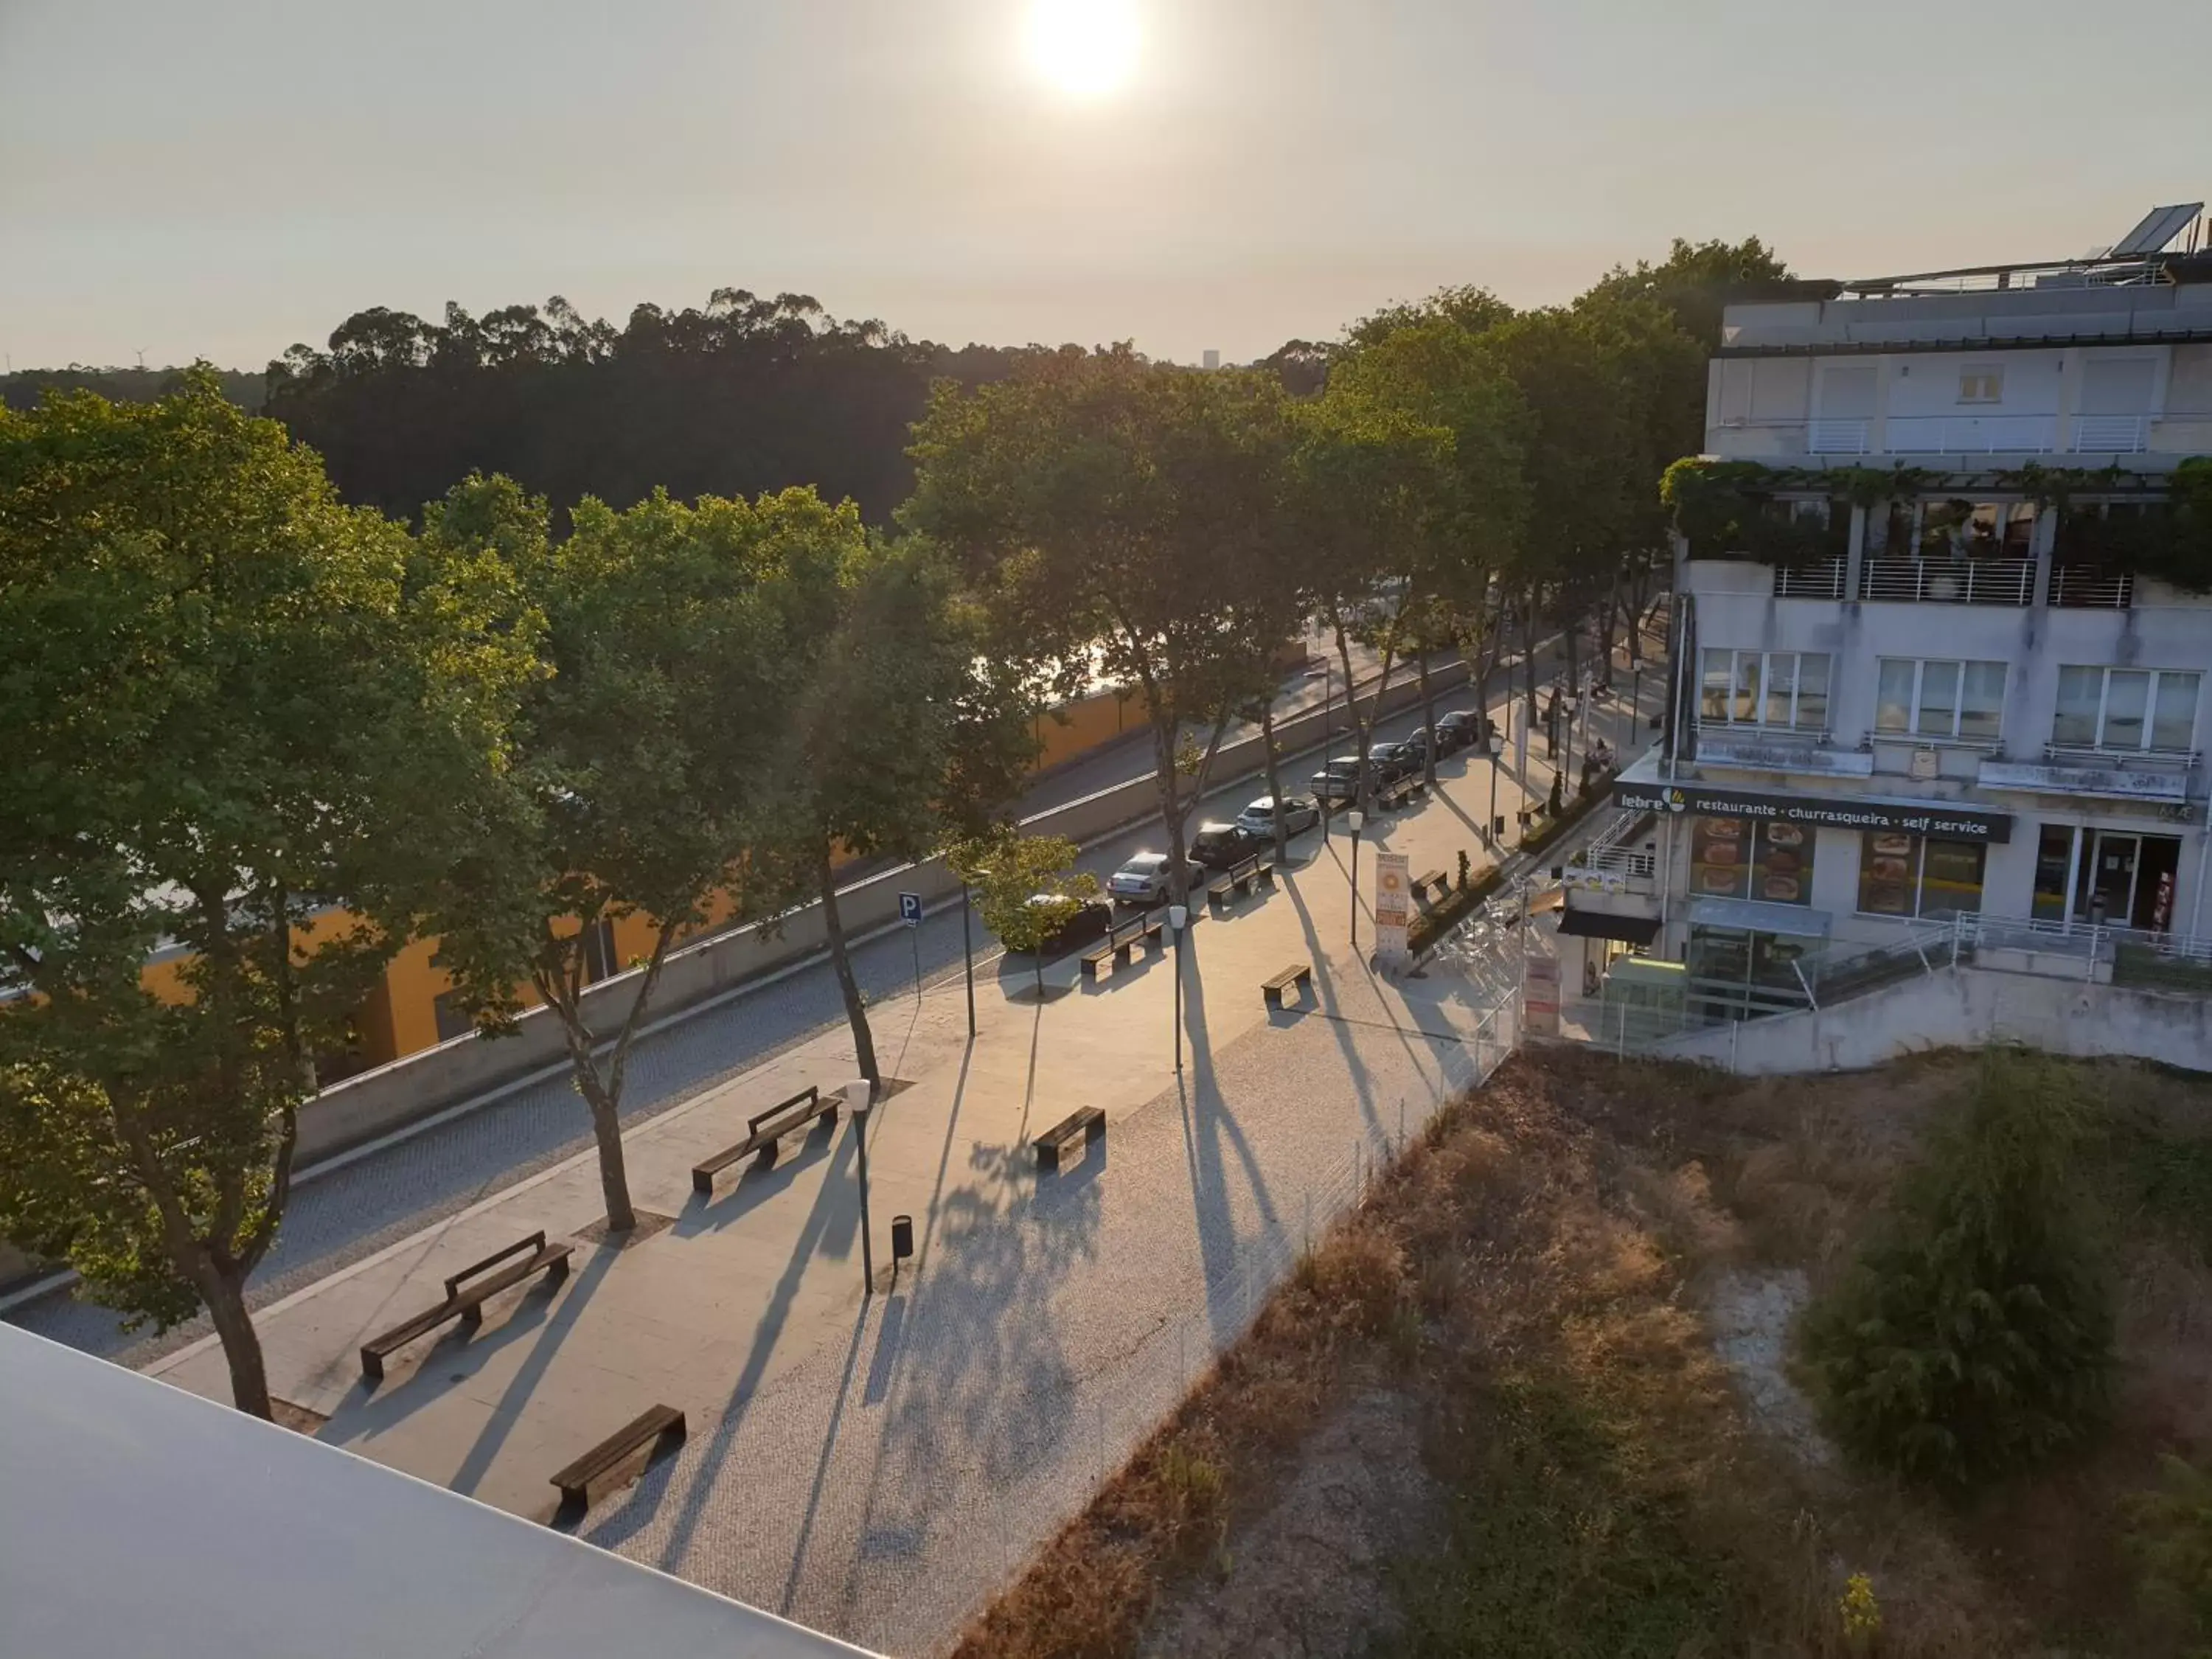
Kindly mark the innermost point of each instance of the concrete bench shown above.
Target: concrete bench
(467, 1305)
(1087, 1121)
(1121, 941)
(767, 1129)
(649, 1429)
(1433, 878)
(1393, 795)
(1299, 974)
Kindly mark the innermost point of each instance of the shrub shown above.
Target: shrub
(1974, 1335)
(2173, 1539)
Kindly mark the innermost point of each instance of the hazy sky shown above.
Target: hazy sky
(222, 177)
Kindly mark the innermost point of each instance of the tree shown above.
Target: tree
(1026, 888)
(907, 729)
(649, 759)
(233, 706)
(1974, 1334)
(1113, 516)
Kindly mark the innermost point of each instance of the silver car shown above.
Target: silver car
(1299, 812)
(1143, 879)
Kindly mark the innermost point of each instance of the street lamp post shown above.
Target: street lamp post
(1355, 817)
(1497, 754)
(1178, 917)
(968, 952)
(858, 1097)
(1328, 736)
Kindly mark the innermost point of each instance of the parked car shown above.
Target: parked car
(1217, 846)
(1386, 762)
(1092, 921)
(1461, 727)
(1417, 746)
(1337, 782)
(1299, 812)
(1143, 879)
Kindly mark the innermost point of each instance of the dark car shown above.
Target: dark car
(1460, 728)
(1386, 762)
(1217, 846)
(1092, 922)
(1417, 742)
(1336, 782)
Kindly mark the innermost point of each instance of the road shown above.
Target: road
(400, 1187)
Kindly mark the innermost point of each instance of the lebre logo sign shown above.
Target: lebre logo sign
(1394, 904)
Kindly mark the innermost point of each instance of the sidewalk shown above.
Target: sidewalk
(875, 1467)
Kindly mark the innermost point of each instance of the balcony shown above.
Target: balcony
(2153, 776)
(1802, 750)
(1981, 434)
(1822, 579)
(1948, 582)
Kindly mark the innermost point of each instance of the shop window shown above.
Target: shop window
(1908, 875)
(2127, 710)
(1939, 700)
(1746, 858)
(1784, 690)
(2054, 859)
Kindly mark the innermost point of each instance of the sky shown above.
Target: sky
(220, 179)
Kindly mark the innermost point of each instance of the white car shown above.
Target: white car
(1299, 812)
(1143, 879)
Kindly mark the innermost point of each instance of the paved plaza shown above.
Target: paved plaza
(874, 1467)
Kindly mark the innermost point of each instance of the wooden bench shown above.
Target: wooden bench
(662, 1423)
(1239, 878)
(1121, 940)
(1393, 795)
(467, 1305)
(1087, 1121)
(1299, 974)
(767, 1129)
(1422, 884)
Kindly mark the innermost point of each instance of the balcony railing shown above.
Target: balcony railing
(2090, 587)
(1822, 580)
(2111, 435)
(1949, 582)
(1836, 437)
(1971, 435)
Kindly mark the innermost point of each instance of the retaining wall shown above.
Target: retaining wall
(421, 1084)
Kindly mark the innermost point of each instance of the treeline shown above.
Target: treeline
(26, 388)
(744, 395)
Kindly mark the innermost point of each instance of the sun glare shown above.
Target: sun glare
(1084, 48)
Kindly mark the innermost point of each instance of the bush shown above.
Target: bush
(2173, 1539)
(1974, 1335)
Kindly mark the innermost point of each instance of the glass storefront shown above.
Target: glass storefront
(1909, 875)
(2117, 877)
(1751, 859)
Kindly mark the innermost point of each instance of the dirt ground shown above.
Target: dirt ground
(1539, 1396)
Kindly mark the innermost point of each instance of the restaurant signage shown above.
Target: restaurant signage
(1927, 817)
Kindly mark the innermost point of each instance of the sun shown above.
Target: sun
(1084, 48)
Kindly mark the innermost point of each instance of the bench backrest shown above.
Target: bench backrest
(1244, 866)
(810, 1096)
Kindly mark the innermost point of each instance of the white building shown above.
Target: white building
(1925, 666)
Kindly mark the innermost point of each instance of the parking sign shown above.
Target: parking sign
(910, 910)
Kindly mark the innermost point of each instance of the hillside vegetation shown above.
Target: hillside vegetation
(1567, 1329)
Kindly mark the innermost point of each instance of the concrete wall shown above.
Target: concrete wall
(420, 1086)
(1959, 1007)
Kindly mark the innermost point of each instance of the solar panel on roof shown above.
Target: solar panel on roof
(2160, 226)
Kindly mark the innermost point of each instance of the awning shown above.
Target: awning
(1599, 924)
(1757, 916)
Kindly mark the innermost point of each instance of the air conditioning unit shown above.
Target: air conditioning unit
(1925, 765)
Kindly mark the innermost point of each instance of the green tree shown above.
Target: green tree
(248, 728)
(650, 758)
(1113, 518)
(1027, 888)
(907, 729)
(1973, 1336)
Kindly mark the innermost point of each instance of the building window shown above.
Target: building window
(1935, 698)
(2129, 710)
(1752, 857)
(1906, 875)
(599, 959)
(1785, 690)
(452, 1020)
(1981, 385)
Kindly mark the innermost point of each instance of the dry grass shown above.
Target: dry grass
(1531, 1273)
